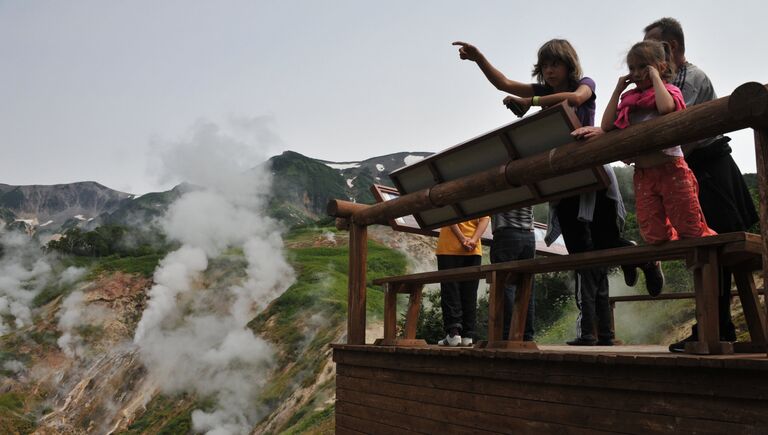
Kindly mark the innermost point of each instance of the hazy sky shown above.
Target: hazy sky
(90, 90)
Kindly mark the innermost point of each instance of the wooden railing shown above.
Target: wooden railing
(747, 107)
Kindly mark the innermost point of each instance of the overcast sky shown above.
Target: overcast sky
(90, 90)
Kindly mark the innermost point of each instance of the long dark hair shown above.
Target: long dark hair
(562, 51)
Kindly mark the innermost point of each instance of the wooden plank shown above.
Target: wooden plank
(376, 409)
(412, 315)
(520, 308)
(668, 296)
(360, 425)
(706, 279)
(506, 411)
(496, 305)
(425, 414)
(529, 367)
(358, 261)
(753, 314)
(402, 342)
(342, 426)
(674, 250)
(597, 400)
(390, 313)
(761, 163)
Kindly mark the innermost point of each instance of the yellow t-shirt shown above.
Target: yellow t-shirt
(448, 244)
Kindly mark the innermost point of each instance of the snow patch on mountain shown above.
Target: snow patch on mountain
(342, 166)
(411, 159)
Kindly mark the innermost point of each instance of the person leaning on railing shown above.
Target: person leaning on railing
(723, 194)
(588, 221)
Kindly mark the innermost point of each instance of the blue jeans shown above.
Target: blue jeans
(513, 244)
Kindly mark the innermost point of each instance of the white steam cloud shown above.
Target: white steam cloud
(24, 272)
(71, 275)
(193, 335)
(73, 314)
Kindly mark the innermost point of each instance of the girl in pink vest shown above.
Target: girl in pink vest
(666, 191)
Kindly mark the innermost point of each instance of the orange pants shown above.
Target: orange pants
(667, 203)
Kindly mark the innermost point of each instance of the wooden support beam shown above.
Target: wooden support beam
(390, 313)
(412, 315)
(358, 260)
(761, 161)
(520, 307)
(755, 317)
(497, 281)
(706, 271)
(343, 209)
(745, 108)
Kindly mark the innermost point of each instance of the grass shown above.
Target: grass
(164, 415)
(312, 421)
(13, 420)
(142, 265)
(311, 313)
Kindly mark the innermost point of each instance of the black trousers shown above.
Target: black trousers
(727, 206)
(591, 284)
(458, 299)
(512, 244)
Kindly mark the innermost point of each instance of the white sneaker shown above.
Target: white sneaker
(450, 341)
(466, 341)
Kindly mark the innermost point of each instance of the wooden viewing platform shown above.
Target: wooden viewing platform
(513, 387)
(557, 389)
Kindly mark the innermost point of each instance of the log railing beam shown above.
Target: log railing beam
(746, 107)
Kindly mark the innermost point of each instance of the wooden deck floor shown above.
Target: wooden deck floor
(556, 389)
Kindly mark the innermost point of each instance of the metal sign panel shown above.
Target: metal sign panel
(534, 134)
(408, 224)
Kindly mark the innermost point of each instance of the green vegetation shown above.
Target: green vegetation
(13, 419)
(111, 240)
(311, 313)
(298, 179)
(315, 422)
(165, 415)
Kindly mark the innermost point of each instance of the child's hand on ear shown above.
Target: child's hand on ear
(652, 73)
(624, 81)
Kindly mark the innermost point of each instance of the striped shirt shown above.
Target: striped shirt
(519, 218)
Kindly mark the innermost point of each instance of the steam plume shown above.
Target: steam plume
(193, 334)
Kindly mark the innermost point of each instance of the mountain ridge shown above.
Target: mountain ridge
(301, 188)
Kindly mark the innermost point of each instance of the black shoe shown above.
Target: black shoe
(630, 271)
(728, 334)
(654, 278)
(680, 345)
(581, 342)
(630, 275)
(605, 342)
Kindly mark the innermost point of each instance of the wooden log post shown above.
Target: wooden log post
(358, 260)
(754, 316)
(497, 281)
(761, 161)
(706, 276)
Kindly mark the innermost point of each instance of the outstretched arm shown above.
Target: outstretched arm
(500, 81)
